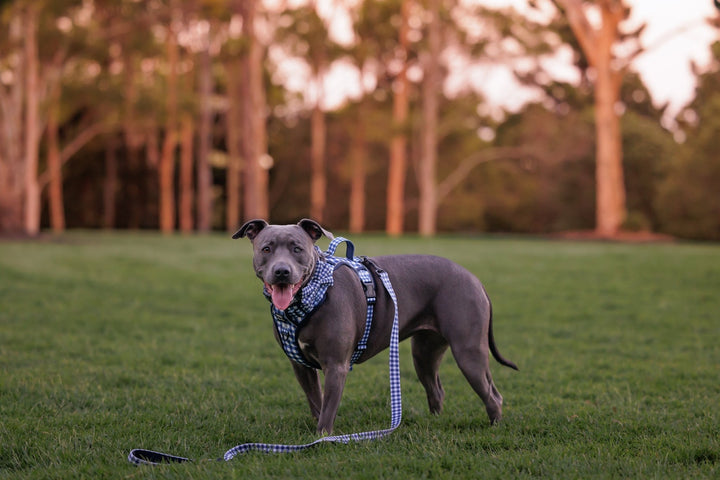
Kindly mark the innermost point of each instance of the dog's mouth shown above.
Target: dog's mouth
(282, 294)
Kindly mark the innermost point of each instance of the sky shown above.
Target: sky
(676, 35)
(665, 68)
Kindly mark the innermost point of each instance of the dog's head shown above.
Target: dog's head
(284, 256)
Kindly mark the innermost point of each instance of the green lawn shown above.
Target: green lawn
(110, 342)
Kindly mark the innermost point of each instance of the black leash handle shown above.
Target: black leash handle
(139, 456)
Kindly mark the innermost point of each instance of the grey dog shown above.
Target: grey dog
(440, 304)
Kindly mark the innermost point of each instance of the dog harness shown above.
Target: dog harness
(290, 321)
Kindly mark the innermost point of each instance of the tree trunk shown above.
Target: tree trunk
(427, 220)
(358, 158)
(133, 197)
(166, 169)
(610, 184)
(318, 181)
(186, 174)
(204, 169)
(254, 132)
(32, 122)
(166, 174)
(148, 211)
(318, 139)
(234, 123)
(11, 157)
(610, 194)
(110, 184)
(597, 44)
(54, 166)
(398, 145)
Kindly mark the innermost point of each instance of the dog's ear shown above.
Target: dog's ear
(314, 229)
(250, 229)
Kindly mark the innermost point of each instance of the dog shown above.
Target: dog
(440, 305)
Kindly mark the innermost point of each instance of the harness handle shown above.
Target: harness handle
(349, 247)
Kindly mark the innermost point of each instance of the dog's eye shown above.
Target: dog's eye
(297, 250)
(266, 249)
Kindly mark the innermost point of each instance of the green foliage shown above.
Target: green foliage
(558, 174)
(111, 63)
(688, 203)
(648, 151)
(114, 341)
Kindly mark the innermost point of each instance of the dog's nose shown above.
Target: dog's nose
(282, 272)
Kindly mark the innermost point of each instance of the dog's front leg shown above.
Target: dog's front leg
(310, 382)
(335, 376)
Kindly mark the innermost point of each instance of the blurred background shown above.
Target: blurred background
(402, 116)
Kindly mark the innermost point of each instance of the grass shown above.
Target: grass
(133, 340)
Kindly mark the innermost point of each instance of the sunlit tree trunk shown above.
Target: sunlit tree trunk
(32, 134)
(12, 168)
(166, 168)
(358, 157)
(597, 44)
(398, 143)
(204, 170)
(186, 174)
(54, 166)
(254, 132)
(133, 144)
(427, 211)
(233, 126)
(318, 134)
(318, 175)
(153, 154)
(110, 184)
(610, 195)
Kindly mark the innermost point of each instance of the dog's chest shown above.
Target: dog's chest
(289, 322)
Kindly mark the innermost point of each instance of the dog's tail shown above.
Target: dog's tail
(491, 340)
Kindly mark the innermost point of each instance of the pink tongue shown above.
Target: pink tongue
(282, 296)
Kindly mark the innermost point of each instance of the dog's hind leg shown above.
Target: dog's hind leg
(474, 363)
(427, 351)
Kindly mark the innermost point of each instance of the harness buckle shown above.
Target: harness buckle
(369, 288)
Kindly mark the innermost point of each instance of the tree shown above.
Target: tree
(398, 145)
(431, 90)
(20, 121)
(29, 102)
(32, 126)
(55, 192)
(204, 144)
(466, 31)
(307, 36)
(254, 137)
(166, 168)
(186, 194)
(245, 121)
(358, 175)
(597, 44)
(687, 203)
(376, 41)
(234, 128)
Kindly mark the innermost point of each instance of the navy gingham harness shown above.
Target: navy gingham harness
(288, 322)
(149, 457)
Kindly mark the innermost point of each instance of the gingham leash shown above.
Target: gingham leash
(149, 457)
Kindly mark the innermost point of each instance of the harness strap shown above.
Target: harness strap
(290, 321)
(368, 284)
(148, 457)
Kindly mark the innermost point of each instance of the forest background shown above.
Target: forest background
(182, 115)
